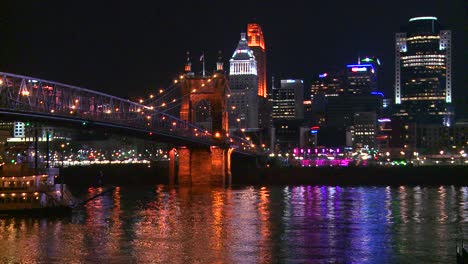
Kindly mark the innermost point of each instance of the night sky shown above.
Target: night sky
(128, 49)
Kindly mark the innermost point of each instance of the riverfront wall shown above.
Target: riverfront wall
(157, 173)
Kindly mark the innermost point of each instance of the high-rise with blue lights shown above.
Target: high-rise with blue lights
(362, 77)
(423, 72)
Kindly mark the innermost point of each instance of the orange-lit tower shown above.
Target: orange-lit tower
(257, 44)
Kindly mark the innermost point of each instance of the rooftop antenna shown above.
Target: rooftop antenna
(219, 64)
(188, 64)
(202, 59)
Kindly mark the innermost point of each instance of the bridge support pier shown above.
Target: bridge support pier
(172, 166)
(201, 166)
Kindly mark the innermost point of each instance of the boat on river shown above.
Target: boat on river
(35, 193)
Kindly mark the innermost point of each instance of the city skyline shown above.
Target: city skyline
(231, 132)
(132, 50)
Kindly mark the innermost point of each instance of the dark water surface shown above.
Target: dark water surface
(305, 224)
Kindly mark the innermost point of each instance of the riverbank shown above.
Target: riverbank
(157, 173)
(380, 176)
(119, 175)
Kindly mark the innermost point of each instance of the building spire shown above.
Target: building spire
(202, 59)
(219, 63)
(188, 64)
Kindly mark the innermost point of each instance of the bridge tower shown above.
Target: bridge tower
(204, 165)
(214, 89)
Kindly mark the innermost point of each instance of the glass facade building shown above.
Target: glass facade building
(423, 72)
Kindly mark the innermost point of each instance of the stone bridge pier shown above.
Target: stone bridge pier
(203, 165)
(200, 166)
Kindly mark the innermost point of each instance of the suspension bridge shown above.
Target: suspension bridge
(190, 115)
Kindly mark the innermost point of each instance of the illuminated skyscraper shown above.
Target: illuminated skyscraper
(243, 66)
(423, 72)
(243, 102)
(362, 77)
(257, 44)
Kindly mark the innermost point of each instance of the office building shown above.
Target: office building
(384, 133)
(340, 110)
(433, 138)
(288, 100)
(243, 101)
(19, 130)
(288, 134)
(364, 130)
(423, 72)
(361, 78)
(327, 84)
(256, 43)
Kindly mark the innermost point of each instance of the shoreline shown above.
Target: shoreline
(366, 176)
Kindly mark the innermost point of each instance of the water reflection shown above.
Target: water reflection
(312, 224)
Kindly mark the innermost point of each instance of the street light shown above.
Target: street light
(63, 152)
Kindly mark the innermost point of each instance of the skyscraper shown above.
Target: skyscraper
(243, 102)
(327, 84)
(361, 78)
(288, 100)
(378, 70)
(364, 129)
(257, 44)
(423, 78)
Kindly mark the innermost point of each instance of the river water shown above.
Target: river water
(303, 224)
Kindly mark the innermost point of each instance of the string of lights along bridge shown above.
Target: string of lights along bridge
(33, 98)
(169, 100)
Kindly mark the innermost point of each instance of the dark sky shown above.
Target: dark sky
(129, 48)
